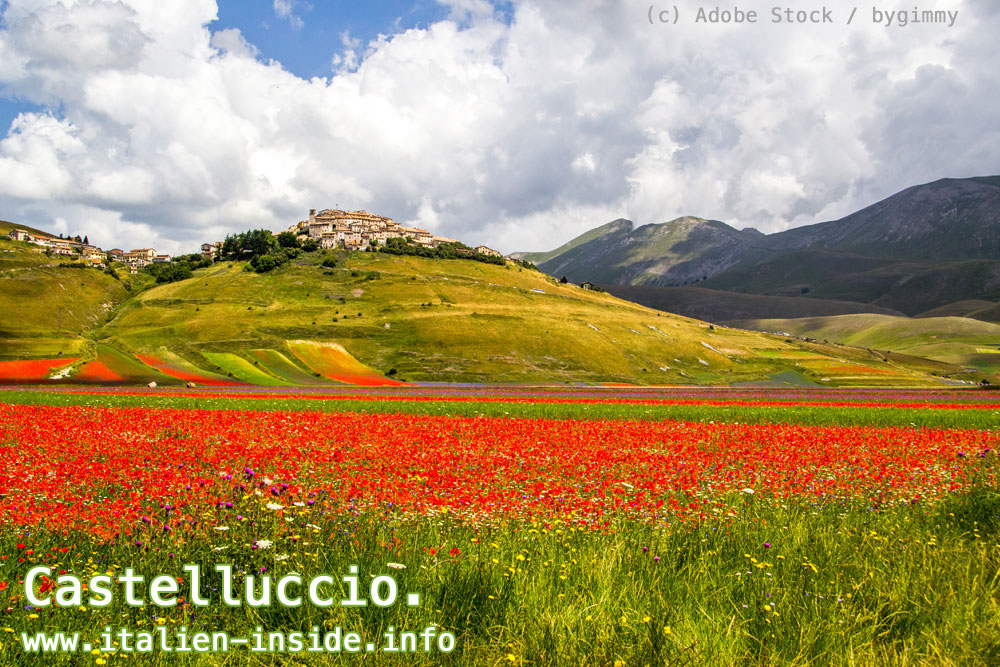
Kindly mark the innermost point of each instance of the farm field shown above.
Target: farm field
(540, 525)
(956, 340)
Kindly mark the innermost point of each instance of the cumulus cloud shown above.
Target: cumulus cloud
(518, 128)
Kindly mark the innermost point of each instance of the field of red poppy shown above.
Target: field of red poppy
(540, 526)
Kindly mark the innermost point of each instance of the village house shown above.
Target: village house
(43, 240)
(62, 248)
(484, 250)
(140, 258)
(117, 255)
(417, 235)
(357, 230)
(211, 250)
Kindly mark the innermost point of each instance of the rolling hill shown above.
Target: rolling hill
(954, 340)
(378, 318)
(977, 309)
(923, 248)
(50, 307)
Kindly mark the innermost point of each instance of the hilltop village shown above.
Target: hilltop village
(329, 228)
(136, 259)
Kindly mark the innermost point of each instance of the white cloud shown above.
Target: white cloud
(285, 9)
(517, 134)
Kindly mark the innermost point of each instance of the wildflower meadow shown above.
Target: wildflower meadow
(583, 527)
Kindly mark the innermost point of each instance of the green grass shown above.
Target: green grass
(438, 320)
(757, 580)
(278, 364)
(48, 308)
(776, 583)
(953, 340)
(449, 320)
(764, 414)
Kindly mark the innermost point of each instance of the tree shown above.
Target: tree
(86, 240)
(259, 242)
(288, 239)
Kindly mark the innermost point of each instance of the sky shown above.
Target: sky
(515, 124)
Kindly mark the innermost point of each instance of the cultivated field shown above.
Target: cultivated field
(540, 526)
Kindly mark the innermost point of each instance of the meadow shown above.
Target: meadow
(540, 526)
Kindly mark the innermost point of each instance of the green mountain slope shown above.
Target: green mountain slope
(947, 219)
(679, 252)
(612, 229)
(925, 247)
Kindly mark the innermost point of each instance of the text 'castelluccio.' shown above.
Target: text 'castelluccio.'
(163, 590)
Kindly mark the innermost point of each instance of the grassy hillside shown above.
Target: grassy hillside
(456, 320)
(954, 340)
(383, 318)
(50, 309)
(977, 309)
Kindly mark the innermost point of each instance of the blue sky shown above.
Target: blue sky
(307, 48)
(306, 41)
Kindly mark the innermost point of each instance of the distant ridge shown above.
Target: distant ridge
(922, 248)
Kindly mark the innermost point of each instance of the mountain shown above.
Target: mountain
(375, 315)
(951, 218)
(679, 252)
(612, 229)
(920, 249)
